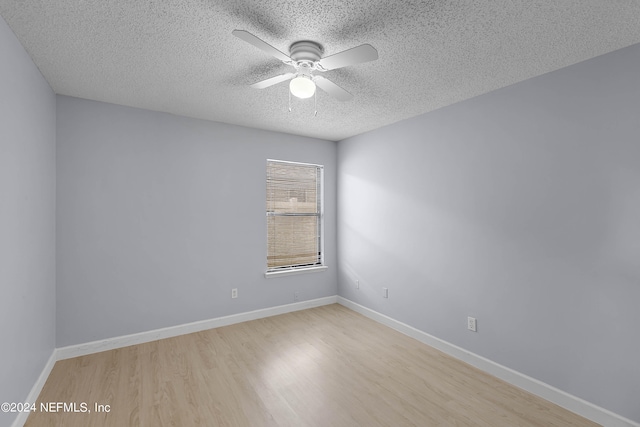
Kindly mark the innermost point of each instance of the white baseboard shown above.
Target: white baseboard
(36, 389)
(187, 328)
(572, 403)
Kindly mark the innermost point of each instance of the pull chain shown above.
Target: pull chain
(315, 103)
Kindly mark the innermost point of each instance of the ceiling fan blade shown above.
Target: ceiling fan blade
(260, 44)
(332, 89)
(273, 80)
(356, 55)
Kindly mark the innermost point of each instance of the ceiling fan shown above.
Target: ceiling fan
(306, 57)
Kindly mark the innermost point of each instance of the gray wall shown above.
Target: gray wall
(160, 216)
(27, 221)
(520, 207)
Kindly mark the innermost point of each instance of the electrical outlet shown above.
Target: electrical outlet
(357, 284)
(385, 292)
(471, 324)
(234, 293)
(296, 296)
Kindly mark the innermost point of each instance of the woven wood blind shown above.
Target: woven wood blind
(293, 215)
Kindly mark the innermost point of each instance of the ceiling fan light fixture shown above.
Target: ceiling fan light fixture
(306, 57)
(302, 87)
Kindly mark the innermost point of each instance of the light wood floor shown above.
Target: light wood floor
(326, 366)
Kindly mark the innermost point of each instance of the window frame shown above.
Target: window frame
(319, 214)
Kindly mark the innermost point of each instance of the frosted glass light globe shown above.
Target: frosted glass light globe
(302, 87)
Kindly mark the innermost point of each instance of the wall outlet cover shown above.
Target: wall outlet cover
(471, 324)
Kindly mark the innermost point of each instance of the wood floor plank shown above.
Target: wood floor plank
(326, 366)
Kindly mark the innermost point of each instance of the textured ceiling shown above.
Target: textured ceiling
(179, 56)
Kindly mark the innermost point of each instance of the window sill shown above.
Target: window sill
(272, 274)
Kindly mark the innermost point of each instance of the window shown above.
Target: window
(294, 216)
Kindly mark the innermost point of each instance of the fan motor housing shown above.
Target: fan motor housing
(306, 50)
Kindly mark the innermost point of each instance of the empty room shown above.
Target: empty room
(319, 213)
